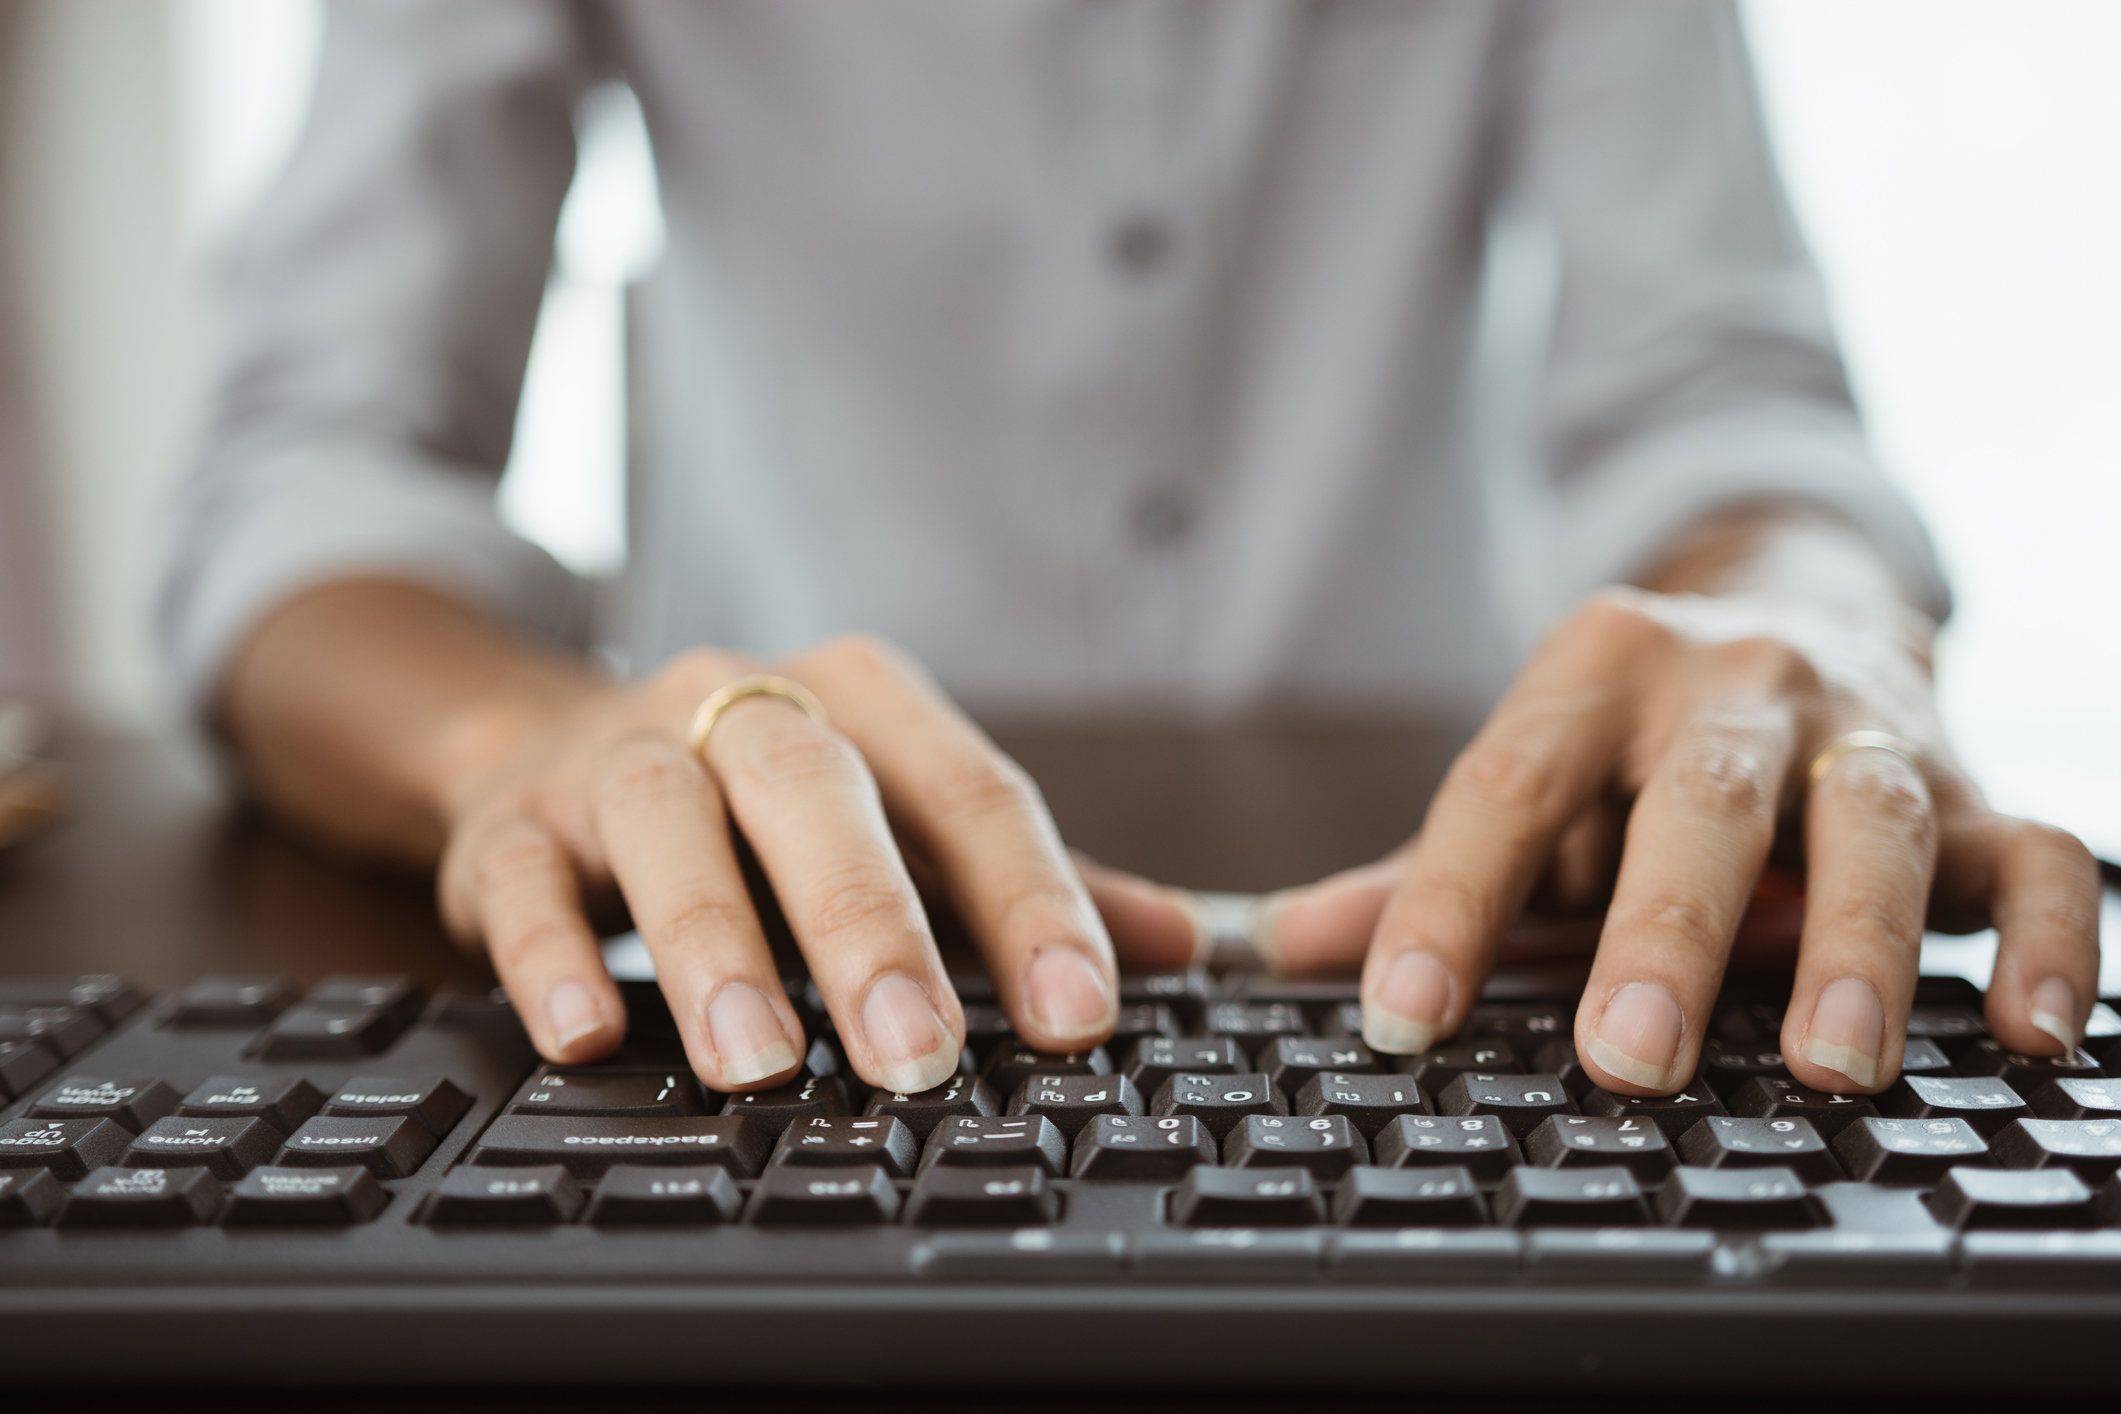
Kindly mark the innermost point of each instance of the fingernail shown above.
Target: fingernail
(571, 1012)
(1848, 1030)
(1197, 921)
(912, 1045)
(2054, 1010)
(1638, 1036)
(747, 1035)
(1407, 1009)
(1068, 995)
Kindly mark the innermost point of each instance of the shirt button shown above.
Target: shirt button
(1163, 517)
(1140, 243)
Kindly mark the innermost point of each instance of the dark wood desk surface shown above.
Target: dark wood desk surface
(159, 876)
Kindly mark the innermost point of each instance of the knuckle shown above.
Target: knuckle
(859, 901)
(983, 787)
(1875, 920)
(1510, 773)
(862, 654)
(707, 914)
(789, 752)
(1616, 612)
(515, 852)
(1723, 777)
(1885, 788)
(1770, 664)
(648, 768)
(1688, 920)
(698, 671)
(536, 940)
(2053, 840)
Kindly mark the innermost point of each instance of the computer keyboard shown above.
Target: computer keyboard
(361, 1181)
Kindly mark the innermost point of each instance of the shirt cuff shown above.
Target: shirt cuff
(1615, 521)
(249, 540)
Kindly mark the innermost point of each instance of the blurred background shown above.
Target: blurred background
(1954, 162)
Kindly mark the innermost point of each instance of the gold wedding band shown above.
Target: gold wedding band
(757, 685)
(1851, 742)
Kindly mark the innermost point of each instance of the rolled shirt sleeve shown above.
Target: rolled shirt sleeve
(1693, 365)
(376, 317)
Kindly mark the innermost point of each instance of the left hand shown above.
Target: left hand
(1658, 744)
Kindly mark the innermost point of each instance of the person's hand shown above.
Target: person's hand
(1654, 747)
(604, 791)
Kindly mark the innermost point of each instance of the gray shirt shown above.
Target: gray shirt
(1119, 353)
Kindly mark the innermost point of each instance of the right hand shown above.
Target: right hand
(603, 792)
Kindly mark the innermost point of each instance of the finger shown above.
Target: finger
(1696, 840)
(1549, 747)
(1325, 927)
(975, 813)
(511, 883)
(1870, 852)
(665, 835)
(805, 801)
(1154, 928)
(2040, 887)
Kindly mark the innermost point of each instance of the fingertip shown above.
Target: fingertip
(582, 1022)
(1153, 926)
(1326, 926)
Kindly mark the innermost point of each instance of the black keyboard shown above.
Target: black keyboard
(360, 1181)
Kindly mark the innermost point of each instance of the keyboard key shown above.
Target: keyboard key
(68, 1147)
(1292, 1062)
(1747, 1025)
(1558, 1058)
(823, 1197)
(1438, 1066)
(64, 1030)
(1987, 1199)
(997, 1142)
(1479, 1143)
(1424, 1197)
(950, 1196)
(1217, 1254)
(1185, 993)
(397, 996)
(1924, 1057)
(1157, 1059)
(1530, 1022)
(631, 1195)
(1673, 1114)
(133, 1101)
(311, 1032)
(1256, 1197)
(228, 1001)
(607, 1094)
(2045, 1262)
(1425, 1256)
(1738, 1200)
(844, 1141)
(227, 1147)
(1035, 1255)
(1141, 1148)
(1590, 1197)
(1948, 1024)
(808, 1097)
(1369, 1102)
(1134, 1020)
(111, 998)
(505, 1197)
(1251, 1021)
(587, 1146)
(142, 1197)
(985, 1024)
(961, 1094)
(387, 1148)
(1729, 1069)
(22, 1065)
(1781, 1097)
(1011, 1065)
(1987, 1105)
(28, 1197)
(1908, 1150)
(1521, 1102)
(323, 1197)
(2078, 1099)
(2024, 1074)
(1072, 1101)
(2089, 1148)
(1326, 1146)
(1593, 1141)
(1723, 1142)
(431, 1099)
(1219, 1102)
(281, 1102)
(1608, 1256)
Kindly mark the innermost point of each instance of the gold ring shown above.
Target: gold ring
(757, 685)
(1851, 742)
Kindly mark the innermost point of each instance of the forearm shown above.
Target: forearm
(363, 709)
